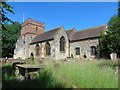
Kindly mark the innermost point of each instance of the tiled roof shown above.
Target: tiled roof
(70, 33)
(45, 36)
(88, 33)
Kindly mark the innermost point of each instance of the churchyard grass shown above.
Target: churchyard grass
(87, 74)
(67, 74)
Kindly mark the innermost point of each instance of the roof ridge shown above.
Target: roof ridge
(57, 31)
(48, 31)
(52, 29)
(91, 28)
(71, 29)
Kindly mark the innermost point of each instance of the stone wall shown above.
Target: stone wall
(55, 47)
(41, 49)
(61, 54)
(28, 32)
(22, 47)
(84, 46)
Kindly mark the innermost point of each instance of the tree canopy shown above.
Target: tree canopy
(110, 41)
(119, 8)
(6, 8)
(9, 38)
(10, 31)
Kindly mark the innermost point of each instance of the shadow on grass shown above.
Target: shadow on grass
(44, 80)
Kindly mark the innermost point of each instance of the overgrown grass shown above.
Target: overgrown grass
(108, 63)
(67, 74)
(86, 74)
(44, 80)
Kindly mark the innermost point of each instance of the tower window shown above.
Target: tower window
(36, 29)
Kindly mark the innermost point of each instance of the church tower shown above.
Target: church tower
(29, 30)
(32, 27)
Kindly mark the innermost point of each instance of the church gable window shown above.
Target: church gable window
(62, 44)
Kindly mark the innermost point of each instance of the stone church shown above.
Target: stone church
(57, 43)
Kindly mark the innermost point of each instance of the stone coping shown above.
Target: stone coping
(28, 66)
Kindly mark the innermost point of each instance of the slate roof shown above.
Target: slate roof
(46, 36)
(87, 33)
(73, 34)
(70, 33)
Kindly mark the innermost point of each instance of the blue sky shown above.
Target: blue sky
(79, 15)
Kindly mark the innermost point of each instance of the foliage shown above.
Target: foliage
(8, 8)
(119, 8)
(114, 34)
(72, 74)
(44, 80)
(104, 40)
(85, 74)
(110, 42)
(9, 38)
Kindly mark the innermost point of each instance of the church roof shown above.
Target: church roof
(73, 34)
(88, 33)
(49, 35)
(70, 33)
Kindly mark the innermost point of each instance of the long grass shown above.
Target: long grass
(44, 80)
(66, 74)
(86, 74)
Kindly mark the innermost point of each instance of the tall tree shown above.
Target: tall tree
(119, 8)
(110, 42)
(6, 8)
(6, 33)
(9, 38)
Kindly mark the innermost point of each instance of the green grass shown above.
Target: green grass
(67, 74)
(44, 80)
(86, 74)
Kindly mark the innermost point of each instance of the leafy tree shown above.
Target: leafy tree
(9, 38)
(104, 48)
(114, 34)
(110, 42)
(6, 8)
(119, 8)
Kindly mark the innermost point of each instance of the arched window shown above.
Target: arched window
(62, 44)
(47, 48)
(37, 49)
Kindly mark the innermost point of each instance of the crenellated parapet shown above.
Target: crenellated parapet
(32, 27)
